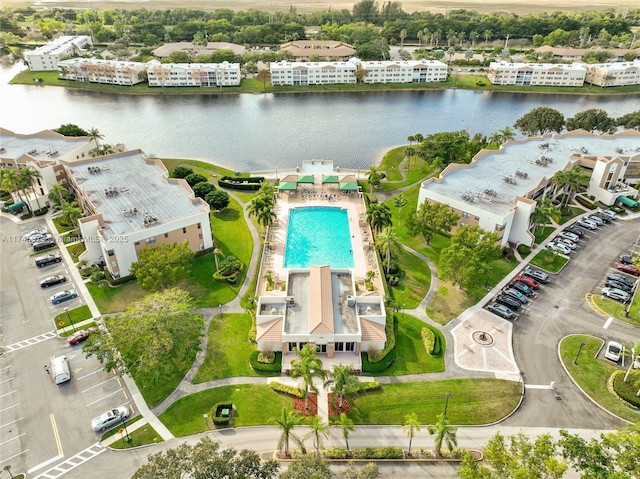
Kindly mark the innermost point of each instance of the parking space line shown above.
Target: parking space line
(45, 463)
(15, 455)
(89, 374)
(6, 380)
(55, 433)
(12, 439)
(608, 322)
(10, 423)
(96, 385)
(104, 397)
(8, 393)
(10, 407)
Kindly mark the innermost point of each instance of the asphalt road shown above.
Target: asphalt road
(39, 421)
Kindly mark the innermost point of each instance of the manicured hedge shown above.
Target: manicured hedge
(275, 367)
(389, 346)
(428, 339)
(370, 386)
(380, 366)
(115, 282)
(377, 453)
(625, 392)
(41, 211)
(246, 184)
(285, 388)
(336, 453)
(203, 252)
(587, 203)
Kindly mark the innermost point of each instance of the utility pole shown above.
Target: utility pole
(506, 42)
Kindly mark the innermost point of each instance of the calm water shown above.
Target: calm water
(256, 132)
(318, 236)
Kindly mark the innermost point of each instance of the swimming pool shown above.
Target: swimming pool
(318, 236)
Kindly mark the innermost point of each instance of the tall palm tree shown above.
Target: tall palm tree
(28, 178)
(560, 180)
(507, 134)
(473, 36)
(286, 423)
(95, 136)
(451, 37)
(378, 216)
(411, 426)
(544, 211)
(261, 206)
(347, 425)
(495, 139)
(387, 242)
(403, 35)
(444, 432)
(58, 194)
(374, 177)
(71, 212)
(344, 382)
(318, 429)
(487, 35)
(307, 366)
(11, 182)
(399, 202)
(577, 179)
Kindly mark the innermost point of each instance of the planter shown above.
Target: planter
(339, 456)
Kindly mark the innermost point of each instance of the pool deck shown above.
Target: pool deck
(364, 256)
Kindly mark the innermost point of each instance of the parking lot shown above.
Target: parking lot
(42, 423)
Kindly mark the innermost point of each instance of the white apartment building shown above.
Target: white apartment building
(193, 74)
(613, 74)
(112, 72)
(410, 71)
(498, 189)
(536, 74)
(312, 73)
(303, 50)
(129, 203)
(46, 57)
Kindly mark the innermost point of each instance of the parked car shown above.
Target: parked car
(626, 259)
(538, 275)
(621, 278)
(612, 283)
(509, 301)
(38, 238)
(529, 281)
(52, 281)
(585, 223)
(523, 288)
(516, 294)
(30, 234)
(613, 351)
(46, 244)
(65, 295)
(110, 418)
(629, 268)
(609, 213)
(566, 242)
(616, 294)
(568, 235)
(575, 230)
(602, 216)
(559, 247)
(501, 310)
(596, 219)
(79, 336)
(48, 259)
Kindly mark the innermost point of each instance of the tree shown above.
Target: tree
(444, 432)
(318, 430)
(195, 178)
(151, 335)
(261, 206)
(373, 177)
(181, 172)
(403, 35)
(452, 146)
(574, 179)
(11, 181)
(516, 459)
(263, 76)
(544, 211)
(487, 35)
(218, 200)
(71, 213)
(360, 74)
(451, 52)
(307, 366)
(286, 423)
(95, 136)
(540, 120)
(399, 202)
(29, 176)
(202, 189)
(431, 219)
(205, 459)
(366, 11)
(69, 129)
(378, 216)
(347, 426)
(387, 242)
(344, 382)
(158, 267)
(593, 119)
(630, 121)
(411, 426)
(468, 55)
(58, 194)
(466, 260)
(506, 134)
(308, 467)
(200, 38)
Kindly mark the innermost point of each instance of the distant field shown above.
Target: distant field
(306, 6)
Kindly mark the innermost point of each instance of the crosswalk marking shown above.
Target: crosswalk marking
(73, 462)
(31, 341)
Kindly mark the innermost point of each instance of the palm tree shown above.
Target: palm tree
(468, 55)
(347, 425)
(544, 211)
(403, 35)
(58, 194)
(392, 303)
(451, 37)
(473, 36)
(250, 305)
(387, 242)
(495, 139)
(361, 73)
(444, 432)
(71, 212)
(261, 206)
(378, 216)
(28, 178)
(451, 51)
(288, 421)
(374, 177)
(411, 426)
(461, 37)
(577, 178)
(411, 139)
(95, 136)
(487, 35)
(11, 182)
(507, 134)
(307, 366)
(318, 429)
(559, 180)
(399, 201)
(420, 34)
(344, 382)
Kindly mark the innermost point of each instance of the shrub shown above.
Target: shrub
(428, 339)
(115, 282)
(218, 199)
(377, 453)
(524, 250)
(96, 276)
(246, 184)
(181, 172)
(586, 202)
(390, 345)
(274, 367)
(266, 357)
(625, 392)
(202, 189)
(195, 178)
(381, 365)
(336, 453)
(286, 389)
(41, 211)
(370, 386)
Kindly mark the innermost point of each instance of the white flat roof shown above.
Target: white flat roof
(140, 184)
(489, 171)
(59, 45)
(37, 145)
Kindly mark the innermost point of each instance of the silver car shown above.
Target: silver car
(559, 247)
(110, 418)
(613, 351)
(566, 241)
(617, 294)
(568, 235)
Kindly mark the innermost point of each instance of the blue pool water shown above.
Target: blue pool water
(318, 236)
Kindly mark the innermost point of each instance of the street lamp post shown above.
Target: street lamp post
(447, 395)
(579, 349)
(486, 283)
(8, 469)
(220, 309)
(403, 305)
(124, 425)
(66, 310)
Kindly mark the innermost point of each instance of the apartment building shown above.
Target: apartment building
(613, 74)
(304, 50)
(93, 70)
(536, 74)
(46, 57)
(411, 71)
(312, 73)
(193, 74)
(498, 189)
(129, 203)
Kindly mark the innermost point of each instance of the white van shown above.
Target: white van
(60, 369)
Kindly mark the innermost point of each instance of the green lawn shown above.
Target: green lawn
(209, 170)
(228, 349)
(411, 355)
(140, 437)
(418, 170)
(62, 229)
(573, 212)
(617, 310)
(75, 250)
(472, 401)
(77, 314)
(255, 405)
(415, 281)
(115, 299)
(592, 374)
(549, 262)
(448, 302)
(543, 233)
(390, 163)
(114, 431)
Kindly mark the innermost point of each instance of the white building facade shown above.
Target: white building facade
(536, 74)
(613, 74)
(411, 71)
(112, 72)
(46, 57)
(193, 74)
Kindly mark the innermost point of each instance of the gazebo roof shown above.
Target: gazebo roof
(288, 185)
(348, 186)
(330, 179)
(306, 179)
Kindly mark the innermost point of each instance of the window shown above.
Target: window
(110, 252)
(114, 264)
(200, 236)
(136, 243)
(499, 227)
(350, 346)
(184, 230)
(466, 215)
(339, 346)
(166, 235)
(149, 241)
(199, 225)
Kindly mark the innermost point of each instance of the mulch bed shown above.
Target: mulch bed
(312, 405)
(335, 409)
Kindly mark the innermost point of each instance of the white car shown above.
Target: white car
(33, 233)
(613, 351)
(566, 241)
(586, 223)
(595, 219)
(617, 294)
(110, 418)
(609, 213)
(568, 235)
(559, 247)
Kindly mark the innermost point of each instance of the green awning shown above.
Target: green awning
(330, 179)
(306, 179)
(349, 186)
(16, 206)
(288, 186)
(625, 200)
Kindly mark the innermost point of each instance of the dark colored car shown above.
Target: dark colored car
(514, 293)
(501, 310)
(78, 336)
(629, 268)
(626, 259)
(40, 245)
(602, 216)
(575, 230)
(612, 283)
(621, 279)
(64, 296)
(52, 281)
(509, 301)
(48, 259)
(523, 288)
(529, 281)
(539, 276)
